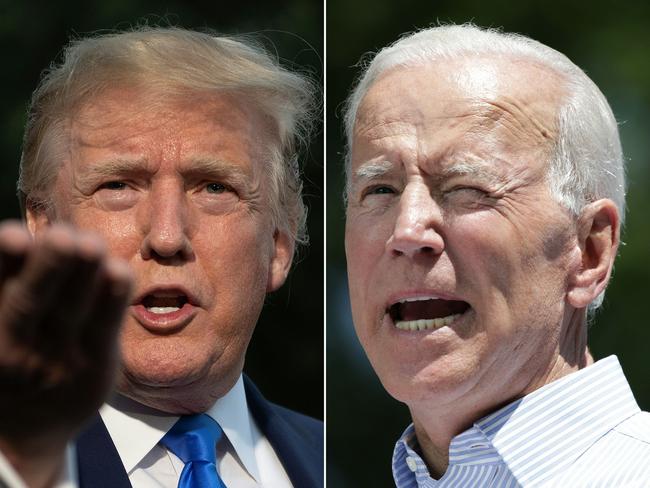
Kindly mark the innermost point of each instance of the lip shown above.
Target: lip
(165, 323)
(420, 294)
(169, 289)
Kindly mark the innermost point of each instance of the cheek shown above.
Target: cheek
(118, 229)
(241, 256)
(362, 255)
(516, 273)
(480, 250)
(365, 243)
(365, 247)
(488, 247)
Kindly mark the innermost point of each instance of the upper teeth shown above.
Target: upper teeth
(162, 309)
(419, 299)
(426, 324)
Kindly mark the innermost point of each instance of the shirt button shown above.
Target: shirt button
(410, 462)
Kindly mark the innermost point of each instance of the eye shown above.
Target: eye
(117, 195)
(113, 185)
(215, 188)
(468, 191)
(378, 190)
(463, 197)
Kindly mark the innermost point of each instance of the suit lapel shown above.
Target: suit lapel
(100, 466)
(302, 463)
(99, 463)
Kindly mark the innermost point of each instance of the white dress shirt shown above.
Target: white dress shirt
(245, 458)
(583, 430)
(9, 478)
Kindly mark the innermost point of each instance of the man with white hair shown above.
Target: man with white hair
(162, 197)
(485, 197)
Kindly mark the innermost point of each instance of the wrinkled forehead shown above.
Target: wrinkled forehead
(121, 113)
(517, 94)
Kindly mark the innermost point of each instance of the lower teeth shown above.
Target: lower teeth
(426, 324)
(161, 310)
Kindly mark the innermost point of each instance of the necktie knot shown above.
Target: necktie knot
(194, 439)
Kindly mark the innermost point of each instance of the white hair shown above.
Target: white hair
(587, 161)
(169, 62)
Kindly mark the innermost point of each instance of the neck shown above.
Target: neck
(196, 397)
(435, 428)
(436, 425)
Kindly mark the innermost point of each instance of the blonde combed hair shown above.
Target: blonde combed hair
(169, 61)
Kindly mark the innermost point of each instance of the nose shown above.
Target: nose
(166, 226)
(417, 227)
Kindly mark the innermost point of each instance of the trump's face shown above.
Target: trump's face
(457, 253)
(180, 191)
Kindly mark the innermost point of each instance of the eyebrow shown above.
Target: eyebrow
(205, 167)
(478, 168)
(211, 168)
(110, 168)
(368, 171)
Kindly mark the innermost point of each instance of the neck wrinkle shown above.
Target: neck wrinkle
(435, 429)
(434, 436)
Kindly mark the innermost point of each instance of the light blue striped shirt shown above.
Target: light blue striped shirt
(584, 430)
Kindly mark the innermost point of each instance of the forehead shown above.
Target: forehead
(503, 103)
(134, 121)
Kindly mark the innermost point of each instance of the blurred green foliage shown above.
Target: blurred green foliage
(286, 355)
(611, 42)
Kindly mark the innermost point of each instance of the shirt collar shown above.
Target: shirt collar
(136, 429)
(542, 433)
(231, 413)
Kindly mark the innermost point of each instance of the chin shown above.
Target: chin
(436, 383)
(174, 378)
(173, 390)
(165, 363)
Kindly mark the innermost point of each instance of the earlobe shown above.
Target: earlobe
(598, 238)
(280, 261)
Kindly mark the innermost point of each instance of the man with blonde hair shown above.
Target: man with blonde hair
(485, 196)
(161, 191)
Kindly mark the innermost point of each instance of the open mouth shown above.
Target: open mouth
(165, 310)
(425, 313)
(166, 303)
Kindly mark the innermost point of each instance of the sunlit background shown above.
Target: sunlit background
(286, 356)
(611, 42)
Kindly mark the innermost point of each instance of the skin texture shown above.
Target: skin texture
(178, 190)
(448, 197)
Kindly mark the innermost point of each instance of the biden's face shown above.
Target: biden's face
(457, 253)
(179, 191)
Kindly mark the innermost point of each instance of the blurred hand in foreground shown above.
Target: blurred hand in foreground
(61, 303)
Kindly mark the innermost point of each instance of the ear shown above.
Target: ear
(37, 218)
(281, 260)
(598, 238)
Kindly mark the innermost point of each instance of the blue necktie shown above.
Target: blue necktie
(194, 439)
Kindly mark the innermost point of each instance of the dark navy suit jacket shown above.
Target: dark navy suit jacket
(297, 440)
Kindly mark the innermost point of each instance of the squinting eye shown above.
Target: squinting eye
(215, 188)
(470, 190)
